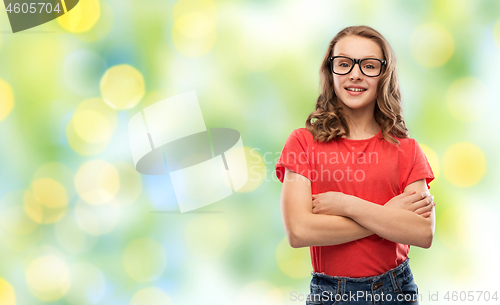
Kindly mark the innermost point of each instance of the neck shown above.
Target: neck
(361, 122)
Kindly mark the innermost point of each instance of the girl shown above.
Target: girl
(355, 186)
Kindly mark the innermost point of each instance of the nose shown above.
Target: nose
(356, 72)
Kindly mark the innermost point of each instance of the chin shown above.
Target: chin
(356, 105)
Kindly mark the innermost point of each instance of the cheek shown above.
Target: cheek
(374, 84)
(336, 89)
(336, 85)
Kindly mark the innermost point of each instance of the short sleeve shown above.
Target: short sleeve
(421, 168)
(294, 156)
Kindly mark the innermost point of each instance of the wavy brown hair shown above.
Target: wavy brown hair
(330, 121)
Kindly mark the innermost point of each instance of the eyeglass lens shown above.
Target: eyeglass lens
(370, 67)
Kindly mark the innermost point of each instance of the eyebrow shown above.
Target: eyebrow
(369, 56)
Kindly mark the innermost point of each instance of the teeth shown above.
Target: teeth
(355, 89)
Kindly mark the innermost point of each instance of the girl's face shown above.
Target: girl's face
(358, 48)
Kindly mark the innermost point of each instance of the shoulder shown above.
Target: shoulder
(303, 135)
(406, 144)
(410, 150)
(405, 149)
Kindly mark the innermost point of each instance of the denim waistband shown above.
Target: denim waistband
(393, 272)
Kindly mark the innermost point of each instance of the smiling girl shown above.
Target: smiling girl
(359, 216)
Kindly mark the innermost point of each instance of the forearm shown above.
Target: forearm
(397, 225)
(325, 230)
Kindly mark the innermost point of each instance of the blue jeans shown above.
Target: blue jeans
(395, 286)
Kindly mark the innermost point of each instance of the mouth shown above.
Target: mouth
(355, 91)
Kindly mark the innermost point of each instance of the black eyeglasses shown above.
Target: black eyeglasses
(343, 65)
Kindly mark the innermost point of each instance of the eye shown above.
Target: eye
(344, 63)
(370, 64)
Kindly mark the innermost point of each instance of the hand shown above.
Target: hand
(331, 203)
(421, 203)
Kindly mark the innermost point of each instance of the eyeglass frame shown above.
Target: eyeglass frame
(357, 61)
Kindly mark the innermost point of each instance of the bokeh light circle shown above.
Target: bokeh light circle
(467, 99)
(82, 17)
(207, 236)
(50, 193)
(7, 293)
(294, 262)
(122, 87)
(464, 164)
(151, 296)
(194, 34)
(91, 127)
(88, 284)
(13, 218)
(58, 172)
(97, 219)
(194, 25)
(194, 30)
(431, 45)
(18, 231)
(72, 237)
(144, 259)
(48, 278)
(80, 146)
(6, 99)
(186, 6)
(97, 182)
(46, 201)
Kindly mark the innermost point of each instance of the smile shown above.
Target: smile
(355, 89)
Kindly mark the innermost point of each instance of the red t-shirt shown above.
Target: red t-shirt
(371, 169)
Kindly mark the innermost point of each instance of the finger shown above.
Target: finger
(418, 196)
(425, 209)
(425, 194)
(426, 202)
(425, 215)
(418, 205)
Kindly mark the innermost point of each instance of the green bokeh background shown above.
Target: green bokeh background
(260, 77)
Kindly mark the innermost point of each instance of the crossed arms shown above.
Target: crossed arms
(334, 218)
